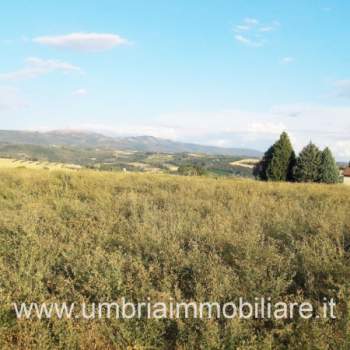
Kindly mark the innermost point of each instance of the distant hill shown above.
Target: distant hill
(96, 140)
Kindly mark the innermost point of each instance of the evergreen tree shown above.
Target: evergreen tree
(308, 164)
(278, 161)
(260, 170)
(328, 172)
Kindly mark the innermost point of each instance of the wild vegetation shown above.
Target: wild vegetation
(91, 236)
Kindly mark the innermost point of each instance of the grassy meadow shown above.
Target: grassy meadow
(89, 236)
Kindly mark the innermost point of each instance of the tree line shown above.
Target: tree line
(280, 163)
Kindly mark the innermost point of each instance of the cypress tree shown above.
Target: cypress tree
(278, 161)
(308, 164)
(260, 170)
(328, 172)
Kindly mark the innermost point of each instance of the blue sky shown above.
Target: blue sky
(229, 73)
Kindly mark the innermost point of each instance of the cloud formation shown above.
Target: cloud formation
(342, 149)
(342, 88)
(79, 92)
(287, 60)
(85, 42)
(249, 42)
(324, 125)
(252, 33)
(10, 99)
(35, 67)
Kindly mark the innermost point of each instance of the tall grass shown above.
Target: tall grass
(93, 237)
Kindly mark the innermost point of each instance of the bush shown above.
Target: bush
(191, 170)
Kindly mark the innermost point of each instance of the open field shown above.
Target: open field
(8, 163)
(246, 163)
(99, 236)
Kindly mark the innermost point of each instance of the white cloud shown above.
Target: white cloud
(248, 42)
(342, 88)
(189, 128)
(267, 128)
(251, 21)
(51, 65)
(270, 27)
(342, 148)
(252, 33)
(88, 42)
(287, 60)
(247, 25)
(324, 125)
(129, 129)
(36, 67)
(79, 92)
(10, 99)
(266, 29)
(241, 28)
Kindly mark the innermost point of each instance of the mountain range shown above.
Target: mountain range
(131, 143)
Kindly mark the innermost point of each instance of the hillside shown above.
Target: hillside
(98, 237)
(95, 140)
(117, 160)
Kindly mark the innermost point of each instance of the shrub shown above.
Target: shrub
(191, 170)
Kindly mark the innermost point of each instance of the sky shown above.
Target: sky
(231, 73)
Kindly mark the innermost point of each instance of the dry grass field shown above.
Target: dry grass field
(8, 163)
(246, 163)
(97, 236)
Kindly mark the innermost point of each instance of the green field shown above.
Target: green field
(99, 236)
